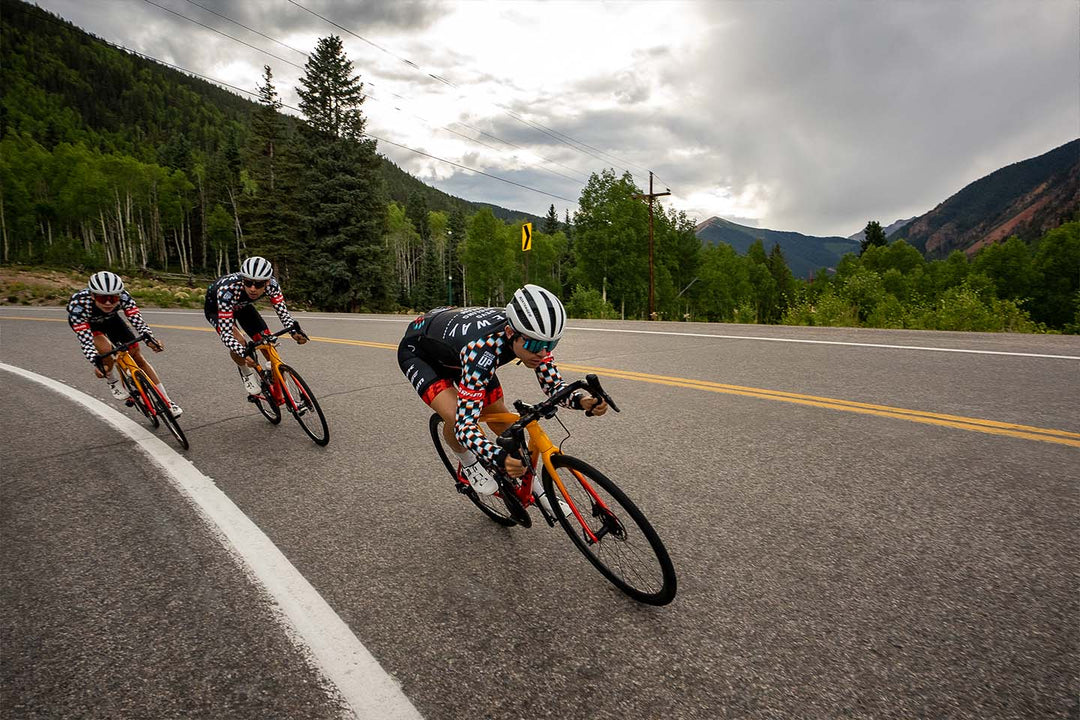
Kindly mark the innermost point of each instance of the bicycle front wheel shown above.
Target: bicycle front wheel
(161, 408)
(490, 505)
(304, 407)
(611, 532)
(140, 388)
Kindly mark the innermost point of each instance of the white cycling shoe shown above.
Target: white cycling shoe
(251, 384)
(546, 504)
(479, 479)
(175, 409)
(118, 390)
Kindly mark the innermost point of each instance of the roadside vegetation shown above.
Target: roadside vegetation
(149, 188)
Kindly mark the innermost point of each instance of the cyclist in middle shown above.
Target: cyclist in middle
(450, 356)
(231, 299)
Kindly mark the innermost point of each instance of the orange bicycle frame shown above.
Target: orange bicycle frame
(540, 451)
(127, 365)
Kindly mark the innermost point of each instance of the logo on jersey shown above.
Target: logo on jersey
(486, 360)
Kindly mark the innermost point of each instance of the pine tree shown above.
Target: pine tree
(873, 236)
(347, 266)
(331, 95)
(266, 125)
(551, 222)
(270, 185)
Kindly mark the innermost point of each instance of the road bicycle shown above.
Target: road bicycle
(282, 386)
(143, 395)
(604, 524)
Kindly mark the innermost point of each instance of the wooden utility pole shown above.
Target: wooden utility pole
(651, 196)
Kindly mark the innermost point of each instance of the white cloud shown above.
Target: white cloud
(811, 116)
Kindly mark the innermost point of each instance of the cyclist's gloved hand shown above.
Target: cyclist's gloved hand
(99, 367)
(298, 334)
(593, 406)
(154, 344)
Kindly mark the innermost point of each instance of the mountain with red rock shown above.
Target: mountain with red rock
(1024, 199)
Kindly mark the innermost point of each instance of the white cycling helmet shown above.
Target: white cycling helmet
(257, 268)
(105, 283)
(537, 313)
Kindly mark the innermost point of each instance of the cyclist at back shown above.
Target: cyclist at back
(94, 315)
(450, 356)
(231, 299)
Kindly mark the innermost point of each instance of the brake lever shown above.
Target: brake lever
(598, 392)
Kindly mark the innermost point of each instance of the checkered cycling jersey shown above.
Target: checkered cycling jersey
(473, 340)
(83, 312)
(229, 293)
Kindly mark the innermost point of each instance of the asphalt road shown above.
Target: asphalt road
(834, 560)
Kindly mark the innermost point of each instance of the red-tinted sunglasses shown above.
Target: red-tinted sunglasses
(107, 298)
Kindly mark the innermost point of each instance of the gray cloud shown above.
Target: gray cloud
(833, 112)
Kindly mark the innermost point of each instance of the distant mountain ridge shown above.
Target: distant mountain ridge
(1025, 199)
(804, 254)
(889, 230)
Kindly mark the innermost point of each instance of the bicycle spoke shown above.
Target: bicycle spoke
(301, 402)
(491, 505)
(616, 537)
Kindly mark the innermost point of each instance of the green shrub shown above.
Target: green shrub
(589, 303)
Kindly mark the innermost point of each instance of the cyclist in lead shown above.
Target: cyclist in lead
(94, 315)
(450, 356)
(231, 299)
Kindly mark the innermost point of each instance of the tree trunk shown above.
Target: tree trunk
(105, 239)
(236, 222)
(3, 224)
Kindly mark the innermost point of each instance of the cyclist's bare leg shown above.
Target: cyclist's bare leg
(103, 346)
(240, 338)
(136, 354)
(445, 403)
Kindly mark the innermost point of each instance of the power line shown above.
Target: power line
(185, 17)
(375, 137)
(555, 135)
(234, 22)
(370, 84)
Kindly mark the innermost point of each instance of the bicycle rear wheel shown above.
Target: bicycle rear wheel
(303, 405)
(265, 403)
(490, 505)
(161, 407)
(141, 399)
(612, 533)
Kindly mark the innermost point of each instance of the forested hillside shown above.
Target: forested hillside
(804, 253)
(1024, 199)
(108, 159)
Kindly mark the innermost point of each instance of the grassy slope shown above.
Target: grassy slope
(24, 285)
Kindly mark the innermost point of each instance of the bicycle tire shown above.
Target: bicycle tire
(161, 406)
(266, 404)
(301, 402)
(141, 398)
(491, 505)
(628, 551)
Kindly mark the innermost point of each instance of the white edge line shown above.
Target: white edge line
(370, 692)
(670, 332)
(831, 342)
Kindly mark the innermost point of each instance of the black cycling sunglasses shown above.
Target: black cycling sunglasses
(257, 284)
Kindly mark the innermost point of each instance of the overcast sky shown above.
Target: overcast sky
(811, 116)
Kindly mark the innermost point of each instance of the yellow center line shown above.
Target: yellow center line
(992, 427)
